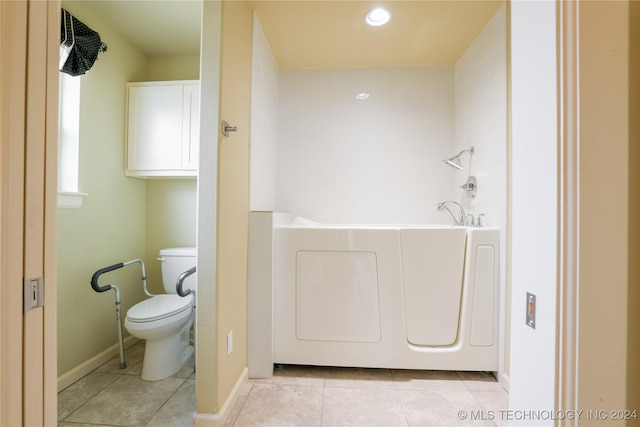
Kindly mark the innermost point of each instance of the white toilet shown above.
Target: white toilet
(164, 320)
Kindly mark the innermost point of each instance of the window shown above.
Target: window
(69, 142)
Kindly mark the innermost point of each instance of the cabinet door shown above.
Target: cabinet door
(191, 127)
(155, 128)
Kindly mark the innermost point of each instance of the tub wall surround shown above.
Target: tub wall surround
(264, 123)
(375, 160)
(481, 121)
(378, 160)
(480, 82)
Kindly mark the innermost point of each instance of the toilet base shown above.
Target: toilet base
(164, 357)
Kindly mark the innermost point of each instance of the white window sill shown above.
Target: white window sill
(70, 200)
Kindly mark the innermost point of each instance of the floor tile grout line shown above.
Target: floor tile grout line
(168, 398)
(242, 405)
(91, 398)
(402, 406)
(324, 393)
(482, 407)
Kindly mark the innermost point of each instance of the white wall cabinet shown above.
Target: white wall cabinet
(163, 129)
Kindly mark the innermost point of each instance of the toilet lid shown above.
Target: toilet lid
(158, 307)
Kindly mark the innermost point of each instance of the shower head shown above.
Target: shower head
(455, 162)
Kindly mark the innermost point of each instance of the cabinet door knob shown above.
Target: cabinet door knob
(226, 128)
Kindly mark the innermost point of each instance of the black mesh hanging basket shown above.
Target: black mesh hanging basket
(79, 46)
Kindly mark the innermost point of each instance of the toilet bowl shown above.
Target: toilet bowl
(164, 321)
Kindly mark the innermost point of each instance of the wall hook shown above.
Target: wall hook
(226, 128)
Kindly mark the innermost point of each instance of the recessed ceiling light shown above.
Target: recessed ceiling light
(377, 17)
(361, 96)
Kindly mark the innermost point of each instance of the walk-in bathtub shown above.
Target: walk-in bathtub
(386, 296)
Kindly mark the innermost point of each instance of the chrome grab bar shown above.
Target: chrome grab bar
(98, 288)
(181, 278)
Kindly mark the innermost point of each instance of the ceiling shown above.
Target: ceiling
(317, 34)
(156, 27)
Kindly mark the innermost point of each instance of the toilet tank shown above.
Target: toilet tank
(176, 261)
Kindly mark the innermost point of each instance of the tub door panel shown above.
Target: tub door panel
(337, 296)
(432, 268)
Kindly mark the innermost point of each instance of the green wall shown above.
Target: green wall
(170, 222)
(123, 218)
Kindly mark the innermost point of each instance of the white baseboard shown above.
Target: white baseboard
(505, 382)
(218, 420)
(70, 377)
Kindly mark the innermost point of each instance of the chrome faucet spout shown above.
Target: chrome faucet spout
(459, 220)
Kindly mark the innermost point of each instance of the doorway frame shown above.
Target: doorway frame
(29, 42)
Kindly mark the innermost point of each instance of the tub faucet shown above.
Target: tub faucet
(460, 219)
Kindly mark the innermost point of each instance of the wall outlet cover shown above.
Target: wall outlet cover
(229, 343)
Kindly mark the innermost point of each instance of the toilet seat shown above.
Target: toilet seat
(158, 307)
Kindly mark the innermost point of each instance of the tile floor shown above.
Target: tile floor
(325, 396)
(110, 396)
(296, 396)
